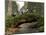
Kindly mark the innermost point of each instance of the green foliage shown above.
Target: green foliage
(26, 16)
(9, 21)
(41, 29)
(14, 6)
(34, 7)
(36, 14)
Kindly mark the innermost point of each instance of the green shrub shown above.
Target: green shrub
(27, 16)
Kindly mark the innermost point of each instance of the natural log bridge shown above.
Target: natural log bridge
(24, 21)
(13, 30)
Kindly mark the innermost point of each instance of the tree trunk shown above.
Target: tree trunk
(9, 8)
